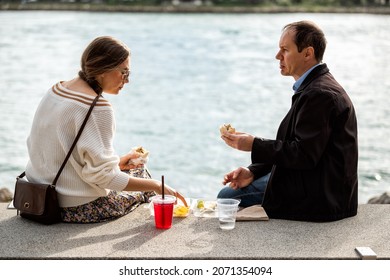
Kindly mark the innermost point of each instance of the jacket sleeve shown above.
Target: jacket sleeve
(259, 169)
(303, 134)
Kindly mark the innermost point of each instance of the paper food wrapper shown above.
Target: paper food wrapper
(142, 153)
(252, 213)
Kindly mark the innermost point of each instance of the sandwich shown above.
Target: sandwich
(227, 128)
(142, 155)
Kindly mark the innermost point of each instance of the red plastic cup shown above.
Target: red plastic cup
(163, 211)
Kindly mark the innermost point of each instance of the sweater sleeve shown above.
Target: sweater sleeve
(99, 163)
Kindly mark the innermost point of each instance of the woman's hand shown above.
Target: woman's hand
(142, 184)
(182, 198)
(124, 162)
(170, 191)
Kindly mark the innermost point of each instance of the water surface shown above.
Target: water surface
(190, 74)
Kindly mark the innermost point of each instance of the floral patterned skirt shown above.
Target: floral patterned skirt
(116, 204)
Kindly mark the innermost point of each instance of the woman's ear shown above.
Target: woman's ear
(99, 78)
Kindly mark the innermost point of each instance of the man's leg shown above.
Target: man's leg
(250, 195)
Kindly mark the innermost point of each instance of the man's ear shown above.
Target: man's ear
(309, 53)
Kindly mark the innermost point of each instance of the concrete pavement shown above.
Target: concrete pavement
(135, 237)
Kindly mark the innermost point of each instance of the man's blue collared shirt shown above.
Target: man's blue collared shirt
(298, 82)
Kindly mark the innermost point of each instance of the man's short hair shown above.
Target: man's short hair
(308, 34)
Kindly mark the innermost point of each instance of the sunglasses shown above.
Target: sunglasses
(125, 73)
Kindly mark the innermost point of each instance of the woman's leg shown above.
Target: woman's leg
(116, 204)
(250, 195)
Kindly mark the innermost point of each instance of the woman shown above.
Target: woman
(92, 186)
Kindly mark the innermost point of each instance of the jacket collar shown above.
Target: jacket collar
(316, 72)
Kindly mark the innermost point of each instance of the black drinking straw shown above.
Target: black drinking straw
(162, 182)
(162, 193)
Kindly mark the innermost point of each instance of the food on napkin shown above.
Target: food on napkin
(143, 155)
(181, 208)
(252, 213)
(180, 211)
(227, 128)
(204, 206)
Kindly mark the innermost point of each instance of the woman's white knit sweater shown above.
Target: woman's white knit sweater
(92, 169)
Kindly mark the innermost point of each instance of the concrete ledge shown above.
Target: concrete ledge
(135, 237)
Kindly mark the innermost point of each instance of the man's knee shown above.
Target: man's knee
(226, 192)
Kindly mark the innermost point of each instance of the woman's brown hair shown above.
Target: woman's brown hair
(101, 55)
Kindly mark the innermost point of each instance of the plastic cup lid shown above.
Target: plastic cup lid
(168, 199)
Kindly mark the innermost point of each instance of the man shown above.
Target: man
(310, 170)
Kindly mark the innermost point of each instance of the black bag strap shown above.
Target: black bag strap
(21, 175)
(73, 145)
(75, 140)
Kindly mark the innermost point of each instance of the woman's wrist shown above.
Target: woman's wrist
(157, 186)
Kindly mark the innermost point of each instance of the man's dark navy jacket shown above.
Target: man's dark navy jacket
(314, 158)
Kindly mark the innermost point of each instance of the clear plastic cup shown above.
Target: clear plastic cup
(227, 211)
(163, 211)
